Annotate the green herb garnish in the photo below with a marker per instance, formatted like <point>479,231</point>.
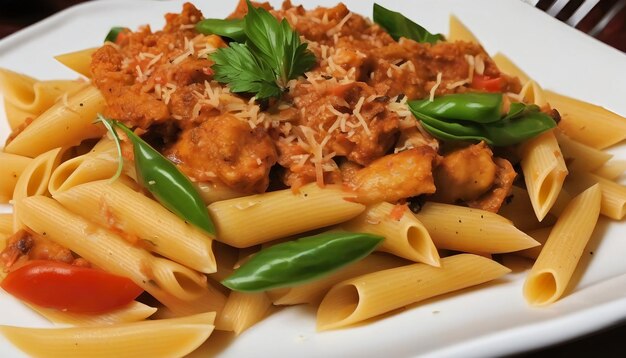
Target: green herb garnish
<point>231,28</point>
<point>271,56</point>
<point>114,33</point>
<point>397,25</point>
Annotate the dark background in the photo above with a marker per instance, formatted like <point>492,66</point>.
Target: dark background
<point>17,14</point>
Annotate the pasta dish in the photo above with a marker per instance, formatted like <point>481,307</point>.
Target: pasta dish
<point>197,177</point>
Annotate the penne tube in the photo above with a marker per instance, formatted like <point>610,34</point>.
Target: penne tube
<point>376,293</point>
<point>508,67</point>
<point>314,291</point>
<point>405,237</point>
<point>78,61</point>
<point>541,236</point>
<point>6,224</point>
<point>465,229</point>
<point>457,31</point>
<point>556,263</point>
<point>138,218</point>
<point>242,311</point>
<point>179,288</point>
<point>580,157</point>
<point>255,219</point>
<point>587,123</point>
<point>174,337</point>
<point>34,179</point>
<point>99,163</point>
<point>226,258</point>
<point>519,210</point>
<point>212,192</point>
<point>612,169</point>
<point>133,312</point>
<point>12,167</point>
<point>544,172</point>
<point>532,93</point>
<point>62,125</point>
<point>613,202</point>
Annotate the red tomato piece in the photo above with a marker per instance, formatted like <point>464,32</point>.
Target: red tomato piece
<point>487,84</point>
<point>66,287</point>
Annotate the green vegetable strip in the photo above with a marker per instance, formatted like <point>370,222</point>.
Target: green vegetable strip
<point>114,32</point>
<point>473,107</point>
<point>231,28</point>
<point>302,260</point>
<point>470,117</point>
<point>397,25</point>
<point>163,179</point>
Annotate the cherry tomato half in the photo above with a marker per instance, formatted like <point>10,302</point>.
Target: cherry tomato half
<point>66,287</point>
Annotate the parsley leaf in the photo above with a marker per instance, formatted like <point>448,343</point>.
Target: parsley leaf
<point>271,56</point>
<point>244,72</point>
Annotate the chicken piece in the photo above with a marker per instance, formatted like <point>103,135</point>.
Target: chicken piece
<point>493,199</point>
<point>226,149</point>
<point>465,174</point>
<point>396,176</point>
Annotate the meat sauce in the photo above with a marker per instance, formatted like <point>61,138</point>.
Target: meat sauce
<point>344,121</point>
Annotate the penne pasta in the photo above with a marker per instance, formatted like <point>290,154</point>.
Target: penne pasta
<point>508,67</point>
<point>133,312</point>
<point>519,210</point>
<point>255,219</point>
<point>182,290</point>
<point>12,167</point>
<point>541,236</point>
<point>405,236</point>
<point>587,123</point>
<point>174,337</point>
<point>78,61</point>
<point>457,31</point>
<point>142,220</point>
<point>544,172</point>
<point>556,263</point>
<point>6,224</point>
<point>580,157</point>
<point>376,293</point>
<point>612,169</point>
<point>243,310</point>
<point>613,202</point>
<point>314,291</point>
<point>62,125</point>
<point>532,93</point>
<point>472,230</point>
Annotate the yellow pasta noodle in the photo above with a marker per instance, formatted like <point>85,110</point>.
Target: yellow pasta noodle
<point>457,31</point>
<point>544,172</point>
<point>587,123</point>
<point>556,263</point>
<point>519,210</point>
<point>116,206</point>
<point>404,237</point>
<point>373,294</point>
<point>533,93</point>
<point>242,311</point>
<point>580,157</point>
<point>174,337</point>
<point>541,235</point>
<point>472,230</point>
<point>182,290</point>
<point>612,169</point>
<point>133,312</point>
<point>79,61</point>
<point>613,203</point>
<point>66,123</point>
<point>6,224</point>
<point>313,292</point>
<point>251,220</point>
<point>12,167</point>
<point>507,66</point>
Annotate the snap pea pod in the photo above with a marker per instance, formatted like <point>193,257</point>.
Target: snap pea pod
<point>473,107</point>
<point>397,25</point>
<point>520,123</point>
<point>114,33</point>
<point>302,260</point>
<point>163,179</point>
<point>231,28</point>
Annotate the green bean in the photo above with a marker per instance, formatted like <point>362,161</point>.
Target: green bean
<point>163,179</point>
<point>302,260</point>
<point>231,28</point>
<point>397,25</point>
<point>472,107</point>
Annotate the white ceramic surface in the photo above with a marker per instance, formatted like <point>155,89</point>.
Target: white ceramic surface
<point>489,320</point>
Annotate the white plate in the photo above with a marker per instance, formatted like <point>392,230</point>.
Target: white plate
<point>490,320</point>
